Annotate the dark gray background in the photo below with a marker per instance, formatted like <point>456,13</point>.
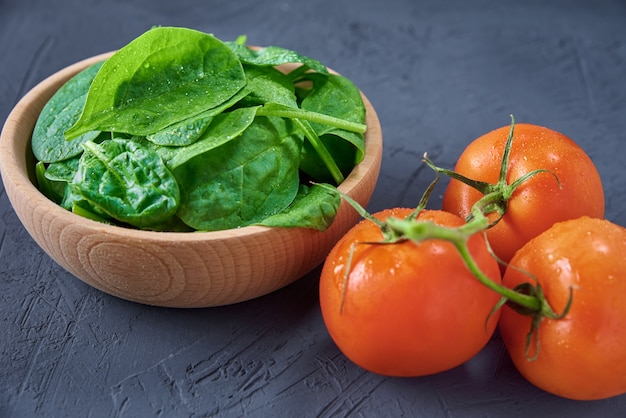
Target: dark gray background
<point>439,73</point>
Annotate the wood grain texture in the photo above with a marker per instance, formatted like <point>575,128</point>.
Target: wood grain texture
<point>163,268</point>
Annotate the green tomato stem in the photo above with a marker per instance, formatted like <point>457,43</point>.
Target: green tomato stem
<point>420,231</point>
<point>506,155</point>
<point>530,302</point>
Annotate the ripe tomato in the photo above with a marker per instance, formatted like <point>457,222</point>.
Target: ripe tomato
<point>408,309</point>
<point>583,355</point>
<point>539,202</point>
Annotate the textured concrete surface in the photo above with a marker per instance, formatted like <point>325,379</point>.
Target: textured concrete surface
<point>440,73</point>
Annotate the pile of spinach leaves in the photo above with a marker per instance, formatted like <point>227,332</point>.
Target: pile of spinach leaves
<point>180,131</point>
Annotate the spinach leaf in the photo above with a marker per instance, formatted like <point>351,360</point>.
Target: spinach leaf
<point>128,182</point>
<point>62,171</point>
<point>183,133</point>
<point>84,209</point>
<point>324,157</point>
<point>59,114</point>
<point>271,87</point>
<point>272,56</point>
<point>324,161</point>
<point>268,85</point>
<point>72,200</point>
<point>223,128</point>
<point>314,207</point>
<point>54,178</point>
<point>53,190</point>
<point>338,97</point>
<point>162,77</point>
<point>244,180</point>
<point>187,131</point>
<point>341,152</point>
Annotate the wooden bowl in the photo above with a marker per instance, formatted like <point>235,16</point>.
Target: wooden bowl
<point>173,269</point>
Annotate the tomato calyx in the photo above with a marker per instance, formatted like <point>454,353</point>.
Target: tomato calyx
<point>496,195</point>
<point>537,316</point>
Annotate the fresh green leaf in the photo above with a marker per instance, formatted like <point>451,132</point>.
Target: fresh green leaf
<point>338,97</point>
<point>74,202</point>
<point>273,56</point>
<point>314,207</point>
<point>80,208</point>
<point>187,131</point>
<point>183,133</point>
<point>62,171</point>
<point>268,85</point>
<point>162,77</point>
<point>319,148</point>
<point>325,163</point>
<point>223,128</point>
<point>53,190</point>
<point>59,114</point>
<point>271,87</point>
<point>342,153</point>
<point>241,40</point>
<point>128,182</point>
<point>244,180</point>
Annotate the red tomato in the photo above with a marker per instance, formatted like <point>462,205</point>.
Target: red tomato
<point>583,355</point>
<point>408,309</point>
<point>539,202</point>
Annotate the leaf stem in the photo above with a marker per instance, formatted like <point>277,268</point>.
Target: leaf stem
<point>315,117</point>
<point>321,149</point>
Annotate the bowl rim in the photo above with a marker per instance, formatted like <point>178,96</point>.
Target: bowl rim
<point>11,162</point>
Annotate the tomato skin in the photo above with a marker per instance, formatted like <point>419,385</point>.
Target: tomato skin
<point>539,202</point>
<point>582,356</point>
<point>409,309</point>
